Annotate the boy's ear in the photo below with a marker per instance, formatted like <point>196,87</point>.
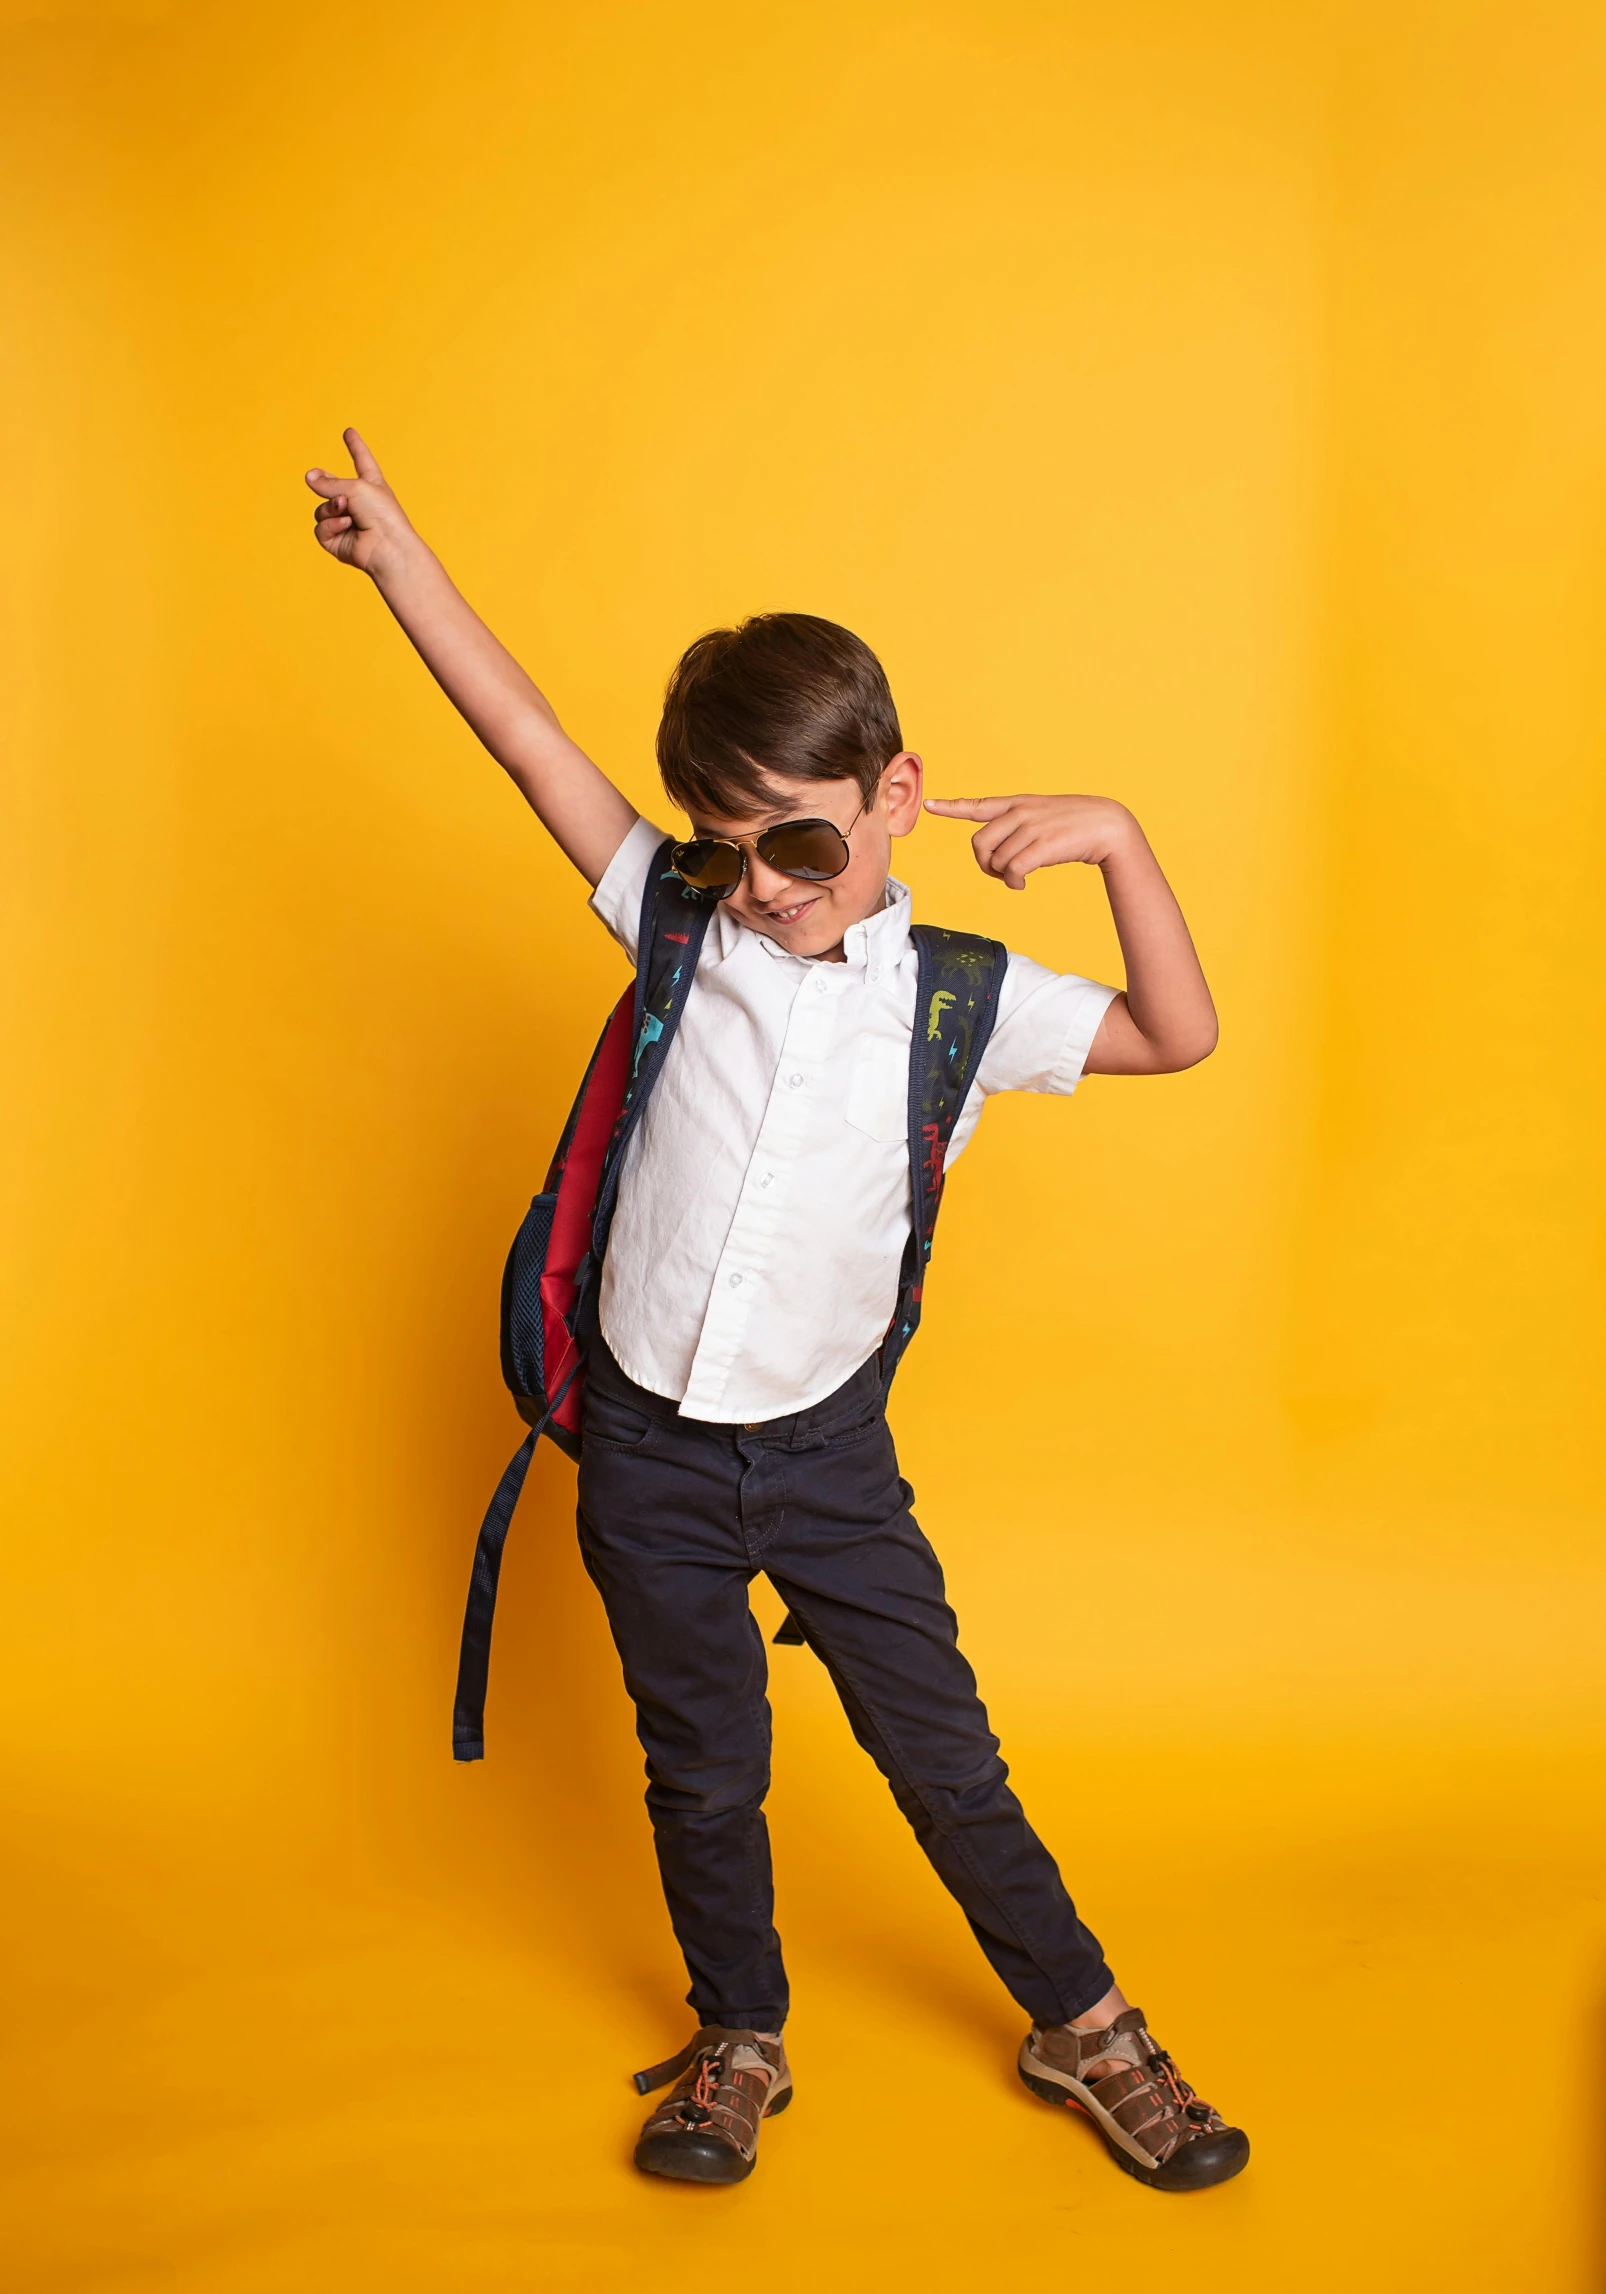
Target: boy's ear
<point>903,784</point>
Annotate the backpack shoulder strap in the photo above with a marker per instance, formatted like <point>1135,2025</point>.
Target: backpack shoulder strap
<point>960,981</point>
<point>674,919</point>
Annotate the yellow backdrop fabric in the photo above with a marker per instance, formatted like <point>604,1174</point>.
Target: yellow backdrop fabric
<point>1199,401</point>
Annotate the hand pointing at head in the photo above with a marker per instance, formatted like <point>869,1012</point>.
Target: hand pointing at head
<point>1165,1019</point>
<point>359,520</point>
<point>1019,834</point>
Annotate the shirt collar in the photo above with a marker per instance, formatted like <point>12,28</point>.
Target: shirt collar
<point>872,947</point>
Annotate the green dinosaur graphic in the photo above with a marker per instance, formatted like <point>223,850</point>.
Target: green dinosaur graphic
<point>939,1004</point>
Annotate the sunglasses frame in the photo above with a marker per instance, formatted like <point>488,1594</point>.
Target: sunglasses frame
<point>780,828</point>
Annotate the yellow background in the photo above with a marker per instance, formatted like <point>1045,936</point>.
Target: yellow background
<point>1197,402</point>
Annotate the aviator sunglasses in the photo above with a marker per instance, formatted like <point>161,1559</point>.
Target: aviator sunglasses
<point>811,850</point>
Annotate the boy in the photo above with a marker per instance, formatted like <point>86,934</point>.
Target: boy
<point>733,1413</point>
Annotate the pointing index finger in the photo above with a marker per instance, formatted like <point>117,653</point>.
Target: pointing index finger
<point>362,457</point>
<point>969,808</point>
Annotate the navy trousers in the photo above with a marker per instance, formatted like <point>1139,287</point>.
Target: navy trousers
<point>676,1519</point>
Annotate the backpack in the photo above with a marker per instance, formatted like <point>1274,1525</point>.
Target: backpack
<point>557,1253</point>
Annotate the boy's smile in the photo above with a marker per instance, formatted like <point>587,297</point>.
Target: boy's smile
<point>808,918</point>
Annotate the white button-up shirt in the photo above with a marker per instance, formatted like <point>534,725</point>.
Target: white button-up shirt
<point>764,1202</point>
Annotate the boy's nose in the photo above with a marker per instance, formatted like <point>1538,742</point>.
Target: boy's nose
<point>769,887</point>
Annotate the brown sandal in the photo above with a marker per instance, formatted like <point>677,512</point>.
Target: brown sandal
<point>726,2082</point>
<point>1154,2125</point>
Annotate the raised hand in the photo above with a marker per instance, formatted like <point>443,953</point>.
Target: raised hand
<point>359,520</point>
<point>1019,834</point>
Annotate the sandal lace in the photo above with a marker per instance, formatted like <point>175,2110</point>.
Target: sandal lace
<point>1176,2094</point>
<point>696,2106</point>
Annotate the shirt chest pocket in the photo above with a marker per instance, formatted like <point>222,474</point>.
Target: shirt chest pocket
<point>878,1094</point>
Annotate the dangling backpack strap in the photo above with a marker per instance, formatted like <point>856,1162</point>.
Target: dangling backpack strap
<point>474,1652</point>
<point>959,984</point>
<point>673,921</point>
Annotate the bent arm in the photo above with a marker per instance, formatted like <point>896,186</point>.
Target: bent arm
<point>1165,1020</point>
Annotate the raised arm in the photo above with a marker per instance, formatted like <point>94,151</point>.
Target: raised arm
<point>1165,1020</point>
<point>360,522</point>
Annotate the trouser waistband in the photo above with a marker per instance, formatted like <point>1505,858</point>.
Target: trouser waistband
<point>853,1400</point>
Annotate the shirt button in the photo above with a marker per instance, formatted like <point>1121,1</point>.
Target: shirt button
<point>736,1282</point>
<point>768,1176</point>
<point>794,1082</point>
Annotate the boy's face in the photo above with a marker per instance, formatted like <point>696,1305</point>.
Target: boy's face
<point>810,919</point>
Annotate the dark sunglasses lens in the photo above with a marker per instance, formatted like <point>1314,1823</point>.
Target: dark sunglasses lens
<point>708,865</point>
<point>811,849</point>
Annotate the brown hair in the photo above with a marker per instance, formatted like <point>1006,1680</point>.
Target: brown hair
<point>782,693</point>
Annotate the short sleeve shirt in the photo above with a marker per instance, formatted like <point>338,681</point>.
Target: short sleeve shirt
<point>764,1202</point>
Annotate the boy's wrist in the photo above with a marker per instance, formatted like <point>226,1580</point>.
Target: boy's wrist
<point>405,558</point>
<point>1123,837</point>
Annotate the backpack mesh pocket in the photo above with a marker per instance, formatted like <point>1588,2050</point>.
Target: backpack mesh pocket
<point>523,1334</point>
